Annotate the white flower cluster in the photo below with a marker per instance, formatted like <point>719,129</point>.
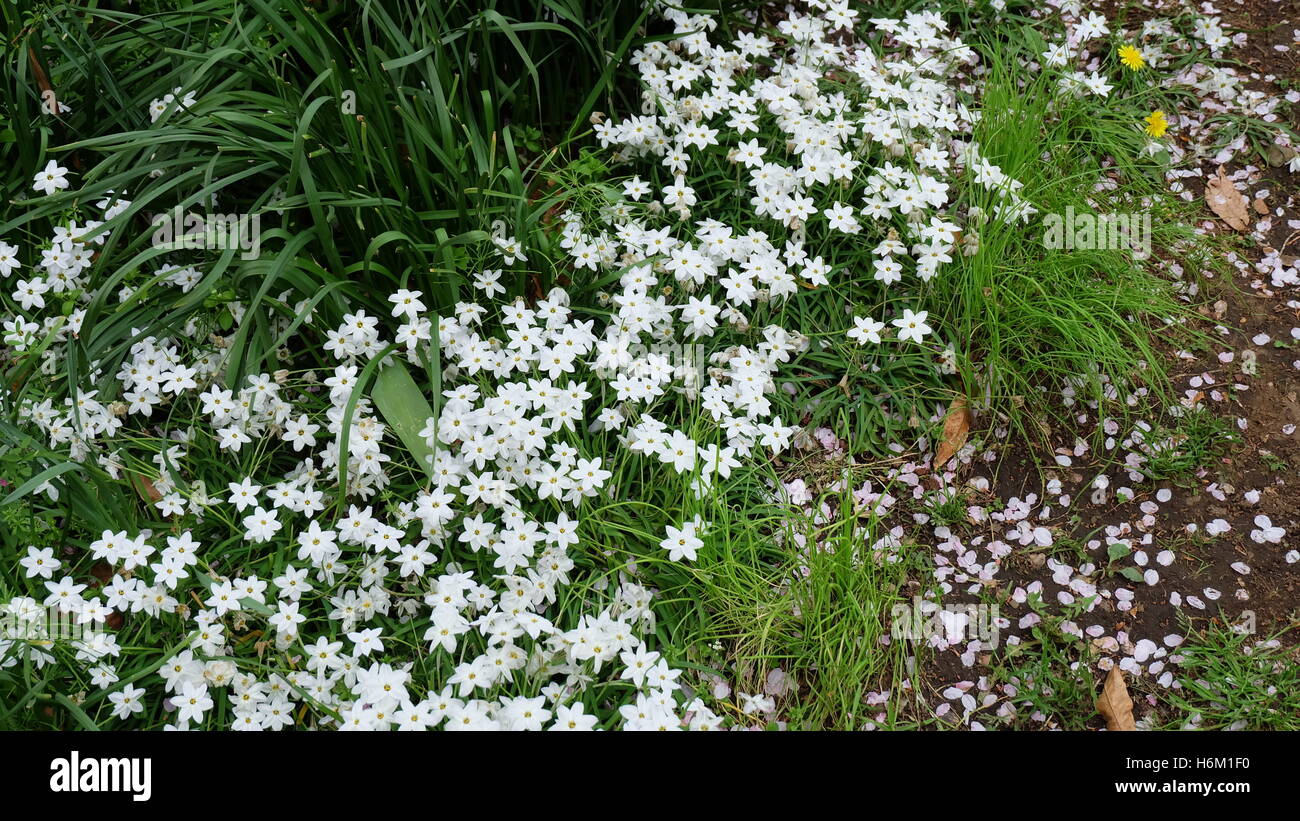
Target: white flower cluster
<point>478,557</point>
<point>890,108</point>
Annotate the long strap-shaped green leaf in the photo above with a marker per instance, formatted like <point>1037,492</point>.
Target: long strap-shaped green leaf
<point>405,408</point>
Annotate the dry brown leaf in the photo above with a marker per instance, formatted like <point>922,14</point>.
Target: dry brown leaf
<point>102,571</point>
<point>145,488</point>
<point>1115,704</point>
<point>43,82</point>
<point>1226,201</point>
<point>1260,206</point>
<point>956,426</point>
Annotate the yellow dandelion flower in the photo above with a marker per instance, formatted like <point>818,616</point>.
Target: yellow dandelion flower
<point>1132,57</point>
<point>1157,125</point>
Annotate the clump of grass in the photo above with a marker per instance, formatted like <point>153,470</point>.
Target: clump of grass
<point>785,591</point>
<point>946,506</point>
<point>1177,450</point>
<point>1052,673</point>
<point>1230,680</point>
<point>1052,688</point>
<point>1030,318</point>
<point>1274,462</point>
